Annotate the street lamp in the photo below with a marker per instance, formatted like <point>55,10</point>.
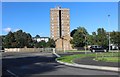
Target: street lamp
<point>109,31</point>
<point>85,44</point>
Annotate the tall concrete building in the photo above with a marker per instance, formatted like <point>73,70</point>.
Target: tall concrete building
<point>60,27</point>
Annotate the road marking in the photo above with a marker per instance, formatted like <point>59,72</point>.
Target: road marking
<point>12,73</point>
<point>55,53</point>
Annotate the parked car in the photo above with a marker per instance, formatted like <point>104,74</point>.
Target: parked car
<point>96,48</point>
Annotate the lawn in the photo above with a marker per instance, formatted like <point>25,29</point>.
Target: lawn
<point>77,51</point>
<point>69,59</point>
<point>107,57</point>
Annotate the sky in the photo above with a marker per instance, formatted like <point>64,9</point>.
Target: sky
<point>34,17</point>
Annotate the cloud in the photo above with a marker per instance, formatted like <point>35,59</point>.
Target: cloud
<point>10,29</point>
<point>7,29</point>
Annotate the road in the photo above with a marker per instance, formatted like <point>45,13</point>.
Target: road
<point>36,64</point>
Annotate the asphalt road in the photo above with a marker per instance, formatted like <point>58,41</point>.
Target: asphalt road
<point>37,64</point>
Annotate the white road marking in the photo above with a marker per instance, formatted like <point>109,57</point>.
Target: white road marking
<point>56,53</point>
<point>12,73</point>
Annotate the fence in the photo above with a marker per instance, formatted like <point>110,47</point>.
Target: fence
<point>28,49</point>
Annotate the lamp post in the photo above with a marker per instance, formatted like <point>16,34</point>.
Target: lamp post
<point>85,44</point>
<point>109,31</point>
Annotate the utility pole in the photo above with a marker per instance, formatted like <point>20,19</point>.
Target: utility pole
<point>85,45</point>
<point>109,30</point>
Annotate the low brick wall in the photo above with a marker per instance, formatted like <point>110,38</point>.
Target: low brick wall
<point>28,49</point>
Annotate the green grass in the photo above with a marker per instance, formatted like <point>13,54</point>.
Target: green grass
<point>77,50</point>
<point>86,50</point>
<point>108,57</point>
<point>69,59</point>
<point>72,51</point>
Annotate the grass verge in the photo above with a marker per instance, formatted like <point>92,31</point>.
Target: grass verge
<point>69,59</point>
<point>77,51</point>
<point>107,57</point>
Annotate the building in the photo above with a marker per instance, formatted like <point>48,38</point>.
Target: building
<point>46,39</point>
<point>60,27</point>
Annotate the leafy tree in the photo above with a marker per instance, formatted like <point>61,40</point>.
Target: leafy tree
<point>9,40</point>
<point>90,40</point>
<point>37,36</point>
<point>17,39</point>
<point>20,35</point>
<point>94,38</point>
<point>102,38</point>
<point>29,40</point>
<point>51,43</point>
<point>33,44</point>
<point>115,38</point>
<point>41,44</point>
<point>79,37</point>
<point>73,32</point>
<point>98,38</point>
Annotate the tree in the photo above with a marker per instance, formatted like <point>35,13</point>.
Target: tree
<point>93,39</point>
<point>102,38</point>
<point>17,39</point>
<point>29,40</point>
<point>9,40</point>
<point>51,43</point>
<point>98,38</point>
<point>23,38</point>
<point>73,32</point>
<point>20,38</point>
<point>115,38</point>
<point>41,44</point>
<point>79,37</point>
<point>90,40</point>
<point>37,36</point>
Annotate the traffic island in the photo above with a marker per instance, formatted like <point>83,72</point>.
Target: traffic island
<point>88,61</point>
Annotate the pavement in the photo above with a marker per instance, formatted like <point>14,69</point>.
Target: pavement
<point>90,63</point>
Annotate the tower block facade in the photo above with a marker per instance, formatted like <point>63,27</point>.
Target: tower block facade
<point>60,27</point>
